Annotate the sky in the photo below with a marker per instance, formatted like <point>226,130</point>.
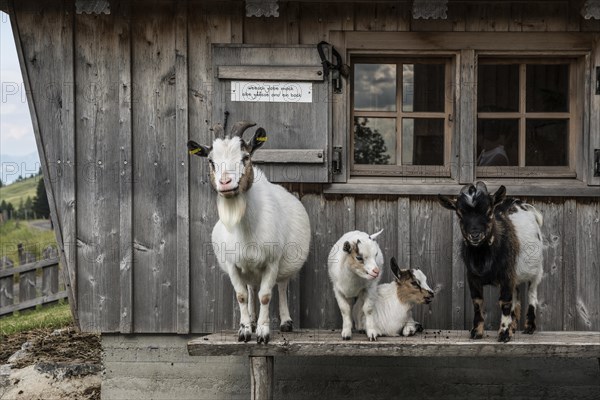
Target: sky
<point>15,122</point>
<point>17,143</point>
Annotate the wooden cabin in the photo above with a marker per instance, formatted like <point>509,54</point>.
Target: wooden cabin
<point>439,94</point>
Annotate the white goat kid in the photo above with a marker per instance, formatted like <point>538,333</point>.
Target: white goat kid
<point>354,266</point>
<point>393,303</point>
<point>263,233</point>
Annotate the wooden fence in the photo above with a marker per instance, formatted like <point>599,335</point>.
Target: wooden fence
<point>31,283</point>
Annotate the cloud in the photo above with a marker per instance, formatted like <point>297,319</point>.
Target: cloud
<point>14,131</point>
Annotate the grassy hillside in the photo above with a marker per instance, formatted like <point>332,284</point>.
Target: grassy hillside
<point>14,192</point>
<point>34,240</point>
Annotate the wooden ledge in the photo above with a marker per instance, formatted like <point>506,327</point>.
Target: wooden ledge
<point>431,343</point>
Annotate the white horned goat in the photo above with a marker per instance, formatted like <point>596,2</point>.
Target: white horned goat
<point>501,246</point>
<point>393,303</point>
<point>262,237</point>
<point>354,266</point>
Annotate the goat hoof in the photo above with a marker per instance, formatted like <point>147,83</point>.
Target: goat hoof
<point>419,327</point>
<point>504,336</point>
<point>529,330</point>
<point>263,339</point>
<point>475,334</point>
<point>346,337</point>
<point>287,326</point>
<point>244,333</point>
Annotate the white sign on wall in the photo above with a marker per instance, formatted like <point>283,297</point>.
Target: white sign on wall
<point>271,92</point>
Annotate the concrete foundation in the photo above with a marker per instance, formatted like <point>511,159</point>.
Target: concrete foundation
<point>158,367</point>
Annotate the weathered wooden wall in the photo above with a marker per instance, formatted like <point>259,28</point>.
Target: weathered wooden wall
<point>117,96</point>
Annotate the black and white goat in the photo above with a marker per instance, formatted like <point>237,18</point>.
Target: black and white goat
<point>502,246</point>
<point>263,233</point>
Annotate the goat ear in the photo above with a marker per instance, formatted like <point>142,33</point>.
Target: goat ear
<point>198,149</point>
<point>394,267</point>
<point>259,138</point>
<point>347,248</point>
<point>374,236</point>
<point>500,195</point>
<point>446,202</point>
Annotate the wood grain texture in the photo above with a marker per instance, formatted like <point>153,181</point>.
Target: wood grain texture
<point>211,296</point>
<point>98,189</point>
<point>155,170</point>
<point>431,343</point>
<point>270,73</point>
<point>569,244</point>
<point>467,122</point>
<point>594,116</point>
<point>587,297</point>
<point>262,380</point>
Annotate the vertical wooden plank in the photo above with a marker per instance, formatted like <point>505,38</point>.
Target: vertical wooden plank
<point>467,122</point>
<point>404,244</point>
<point>318,19</point>
<point>44,89</point>
<point>123,26</point>
<point>461,297</point>
<point>341,135</point>
<point>259,30</point>
<point>594,115</point>
<point>262,380</point>
<point>27,286</point>
<point>98,224</point>
<point>211,296</point>
<point>155,169</point>
<point>569,264</point>
<point>431,252</point>
<point>392,16</point>
<point>50,280</point>
<point>588,265</point>
<point>487,16</point>
<point>181,139</point>
<point>6,291</point>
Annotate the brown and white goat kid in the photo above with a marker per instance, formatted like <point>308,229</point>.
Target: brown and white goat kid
<point>354,266</point>
<point>263,233</point>
<point>502,246</point>
<point>393,303</point>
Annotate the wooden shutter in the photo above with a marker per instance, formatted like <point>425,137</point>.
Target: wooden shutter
<point>299,133</point>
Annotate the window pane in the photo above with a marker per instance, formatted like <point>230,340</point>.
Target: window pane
<point>423,87</point>
<point>374,140</point>
<point>547,88</point>
<point>497,88</point>
<point>375,87</point>
<point>422,141</point>
<point>497,142</point>
<point>547,142</point>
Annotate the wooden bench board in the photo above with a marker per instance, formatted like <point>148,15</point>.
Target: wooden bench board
<point>430,343</point>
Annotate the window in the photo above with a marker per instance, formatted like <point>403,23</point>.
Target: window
<point>526,112</point>
<point>401,111</point>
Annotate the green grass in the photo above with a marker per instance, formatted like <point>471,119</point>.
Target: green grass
<point>53,317</point>
<point>13,232</point>
<point>16,191</point>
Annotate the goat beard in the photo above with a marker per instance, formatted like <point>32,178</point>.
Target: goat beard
<point>231,210</point>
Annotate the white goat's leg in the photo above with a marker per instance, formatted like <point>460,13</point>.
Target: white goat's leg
<point>346,310</point>
<point>533,303</point>
<point>358,316</point>
<point>411,326</point>
<point>252,294</point>
<point>372,330</point>
<point>286,324</point>
<point>264,295</point>
<point>241,294</point>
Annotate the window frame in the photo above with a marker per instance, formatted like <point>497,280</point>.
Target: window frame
<point>468,46</point>
<point>574,116</point>
<point>399,59</point>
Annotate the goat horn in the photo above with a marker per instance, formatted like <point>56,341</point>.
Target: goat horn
<point>218,130</point>
<point>239,128</point>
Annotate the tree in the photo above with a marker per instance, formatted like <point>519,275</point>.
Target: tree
<point>1,184</point>
<point>40,203</point>
<point>369,145</point>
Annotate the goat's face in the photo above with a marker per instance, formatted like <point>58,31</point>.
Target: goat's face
<point>475,209</point>
<point>365,258</point>
<point>230,159</point>
<point>411,285</point>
